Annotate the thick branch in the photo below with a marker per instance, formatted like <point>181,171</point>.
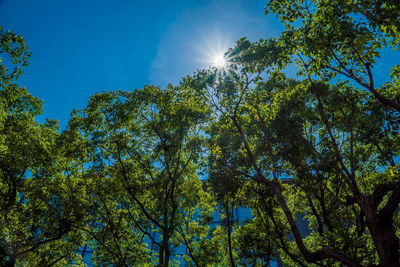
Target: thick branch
<point>392,205</point>
<point>249,153</point>
<point>381,190</point>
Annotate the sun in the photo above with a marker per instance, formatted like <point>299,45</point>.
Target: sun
<point>212,51</point>
<point>219,61</point>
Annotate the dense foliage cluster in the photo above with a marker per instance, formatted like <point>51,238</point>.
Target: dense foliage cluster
<point>139,178</point>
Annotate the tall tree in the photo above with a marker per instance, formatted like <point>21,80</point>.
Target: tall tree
<point>334,134</point>
<point>37,203</point>
<point>343,40</point>
<point>143,147</point>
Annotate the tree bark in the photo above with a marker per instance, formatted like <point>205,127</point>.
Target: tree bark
<point>229,228</point>
<point>164,253</point>
<point>383,234</point>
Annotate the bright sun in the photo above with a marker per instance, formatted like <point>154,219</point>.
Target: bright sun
<point>215,52</point>
<point>219,61</point>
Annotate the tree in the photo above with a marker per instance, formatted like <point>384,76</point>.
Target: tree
<point>14,51</point>
<point>334,134</point>
<point>143,147</point>
<point>348,47</point>
<point>195,232</point>
<point>123,179</point>
<point>37,203</point>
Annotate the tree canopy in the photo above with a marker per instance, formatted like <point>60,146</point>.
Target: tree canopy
<point>153,176</point>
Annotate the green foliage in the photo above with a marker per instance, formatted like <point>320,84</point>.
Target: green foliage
<point>38,184</point>
<point>142,147</point>
<point>314,159</point>
<point>324,149</point>
<point>14,57</point>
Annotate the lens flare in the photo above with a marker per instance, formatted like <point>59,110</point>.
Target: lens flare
<point>219,61</point>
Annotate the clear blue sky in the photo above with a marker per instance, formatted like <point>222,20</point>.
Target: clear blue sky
<point>83,47</point>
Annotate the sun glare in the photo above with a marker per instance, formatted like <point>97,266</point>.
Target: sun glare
<point>216,55</point>
<point>219,61</point>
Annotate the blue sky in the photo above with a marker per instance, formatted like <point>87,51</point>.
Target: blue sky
<point>88,46</point>
<point>83,47</point>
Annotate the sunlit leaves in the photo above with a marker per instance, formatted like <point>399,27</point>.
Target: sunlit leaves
<point>142,147</point>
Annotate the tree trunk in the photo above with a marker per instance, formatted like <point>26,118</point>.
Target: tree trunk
<point>164,253</point>
<point>386,243</point>
<point>167,255</point>
<point>229,228</point>
<point>383,235</point>
<point>161,256</point>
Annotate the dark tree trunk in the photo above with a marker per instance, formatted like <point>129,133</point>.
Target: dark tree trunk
<point>229,228</point>
<point>386,243</point>
<point>161,256</point>
<point>164,252</point>
<point>383,235</point>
